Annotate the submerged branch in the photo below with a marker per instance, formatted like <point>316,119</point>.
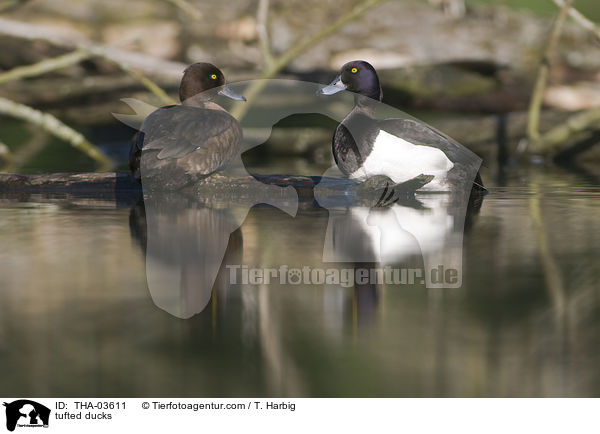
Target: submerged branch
<point>55,127</point>
<point>30,148</point>
<point>553,277</point>
<point>567,155</point>
<point>6,157</point>
<point>553,139</point>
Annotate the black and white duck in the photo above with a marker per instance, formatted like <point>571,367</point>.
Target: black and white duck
<point>400,149</point>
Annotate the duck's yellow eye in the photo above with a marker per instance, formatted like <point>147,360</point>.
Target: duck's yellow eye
<point>354,70</point>
<point>214,76</point>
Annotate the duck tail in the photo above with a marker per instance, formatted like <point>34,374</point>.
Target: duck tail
<point>478,184</point>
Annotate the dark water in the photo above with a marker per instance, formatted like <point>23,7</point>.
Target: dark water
<point>77,317</point>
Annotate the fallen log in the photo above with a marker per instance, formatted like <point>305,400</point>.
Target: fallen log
<point>87,190</point>
<point>215,190</point>
<point>67,182</point>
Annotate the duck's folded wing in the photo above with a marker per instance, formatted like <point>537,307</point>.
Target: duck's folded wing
<point>177,131</point>
<point>419,133</point>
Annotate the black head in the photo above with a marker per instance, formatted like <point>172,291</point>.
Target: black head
<point>359,77</point>
<point>200,77</point>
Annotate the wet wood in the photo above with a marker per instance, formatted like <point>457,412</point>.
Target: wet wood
<point>68,182</point>
<point>218,189</point>
<point>93,182</point>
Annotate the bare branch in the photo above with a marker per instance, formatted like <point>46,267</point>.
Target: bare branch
<point>141,62</point>
<point>262,28</point>
<point>149,84</point>
<point>579,18</point>
<point>36,142</point>
<point>54,127</point>
<point>186,7</point>
<point>239,110</point>
<point>537,97</point>
<point>133,63</point>
<point>45,66</point>
<point>576,126</point>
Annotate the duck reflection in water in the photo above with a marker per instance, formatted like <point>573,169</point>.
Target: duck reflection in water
<point>186,229</point>
<point>430,226</point>
<point>188,243</point>
<point>415,237</point>
<point>186,247</point>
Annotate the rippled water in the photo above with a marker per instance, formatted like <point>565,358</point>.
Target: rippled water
<point>77,317</point>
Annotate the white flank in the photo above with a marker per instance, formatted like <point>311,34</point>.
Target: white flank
<point>400,160</point>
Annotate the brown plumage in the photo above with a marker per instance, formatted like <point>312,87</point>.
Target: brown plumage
<point>183,143</point>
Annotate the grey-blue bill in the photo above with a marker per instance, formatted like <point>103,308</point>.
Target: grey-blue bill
<point>230,93</point>
<point>334,87</point>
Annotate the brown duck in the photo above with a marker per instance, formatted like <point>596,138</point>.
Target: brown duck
<point>182,143</point>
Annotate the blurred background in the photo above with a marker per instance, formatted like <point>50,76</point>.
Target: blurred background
<point>465,67</point>
<point>75,315</point>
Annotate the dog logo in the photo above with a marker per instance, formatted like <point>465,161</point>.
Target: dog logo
<point>26,413</point>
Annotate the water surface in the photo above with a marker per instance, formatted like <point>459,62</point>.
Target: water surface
<point>77,317</point>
